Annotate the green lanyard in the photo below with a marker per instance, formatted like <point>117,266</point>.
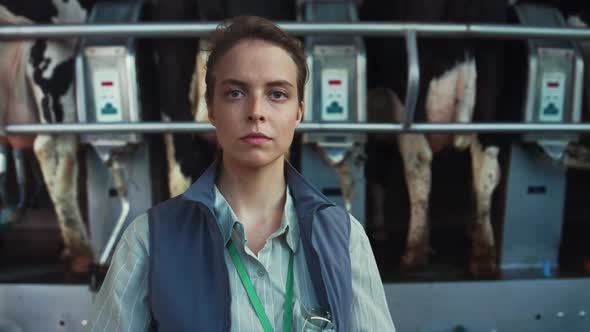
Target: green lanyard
<point>287,308</point>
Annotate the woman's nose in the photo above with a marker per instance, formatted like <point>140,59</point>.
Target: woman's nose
<point>256,113</point>
<point>256,117</point>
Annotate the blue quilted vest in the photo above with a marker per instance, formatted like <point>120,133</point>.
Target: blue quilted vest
<point>188,278</point>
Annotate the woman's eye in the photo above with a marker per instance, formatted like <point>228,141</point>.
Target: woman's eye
<point>234,93</point>
<point>278,95</point>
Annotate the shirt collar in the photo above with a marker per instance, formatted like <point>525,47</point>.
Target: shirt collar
<point>305,196</point>
<point>228,221</point>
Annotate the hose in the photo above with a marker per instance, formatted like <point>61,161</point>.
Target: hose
<point>116,169</point>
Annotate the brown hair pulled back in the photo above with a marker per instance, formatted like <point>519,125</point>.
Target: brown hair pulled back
<point>235,30</point>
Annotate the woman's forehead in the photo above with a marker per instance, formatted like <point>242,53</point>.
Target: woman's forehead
<point>256,61</point>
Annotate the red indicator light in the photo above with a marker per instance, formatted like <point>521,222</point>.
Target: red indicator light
<point>106,83</point>
<point>334,82</point>
<point>552,84</point>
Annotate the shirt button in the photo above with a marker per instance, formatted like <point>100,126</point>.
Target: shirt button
<point>261,273</point>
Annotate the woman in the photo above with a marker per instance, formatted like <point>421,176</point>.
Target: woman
<point>250,246</point>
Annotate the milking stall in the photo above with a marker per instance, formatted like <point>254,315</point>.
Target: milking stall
<point>455,131</point>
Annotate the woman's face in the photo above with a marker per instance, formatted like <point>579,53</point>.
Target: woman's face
<point>255,106</point>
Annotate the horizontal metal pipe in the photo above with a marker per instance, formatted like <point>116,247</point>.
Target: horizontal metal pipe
<point>366,28</point>
<point>186,127</point>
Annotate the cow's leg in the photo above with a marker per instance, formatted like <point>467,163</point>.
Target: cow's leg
<point>178,182</point>
<point>175,71</point>
<point>486,176</point>
<point>466,86</point>
<point>49,77</point>
<point>417,158</point>
<point>57,157</point>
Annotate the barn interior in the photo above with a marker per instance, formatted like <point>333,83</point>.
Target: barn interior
<point>538,213</point>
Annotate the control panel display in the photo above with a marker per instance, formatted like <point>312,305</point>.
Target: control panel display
<point>334,94</point>
<point>552,97</point>
<point>107,96</point>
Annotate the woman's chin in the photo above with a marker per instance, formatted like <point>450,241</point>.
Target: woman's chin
<point>256,160</point>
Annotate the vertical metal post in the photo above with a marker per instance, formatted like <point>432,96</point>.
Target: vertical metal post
<point>413,88</point>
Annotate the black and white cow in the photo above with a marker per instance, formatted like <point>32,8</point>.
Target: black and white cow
<point>37,80</point>
<point>46,74</point>
<point>459,82</point>
<point>49,75</point>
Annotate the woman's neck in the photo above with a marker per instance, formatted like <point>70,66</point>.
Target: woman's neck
<point>256,195</point>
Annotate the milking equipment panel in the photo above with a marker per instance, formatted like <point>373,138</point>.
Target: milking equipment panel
<point>110,89</point>
<point>335,93</point>
<point>554,80</point>
<point>535,187</point>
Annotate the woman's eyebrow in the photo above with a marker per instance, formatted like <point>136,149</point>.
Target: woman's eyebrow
<point>280,83</point>
<point>231,81</point>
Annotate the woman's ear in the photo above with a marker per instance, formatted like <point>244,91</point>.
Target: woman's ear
<point>300,111</point>
<point>210,113</point>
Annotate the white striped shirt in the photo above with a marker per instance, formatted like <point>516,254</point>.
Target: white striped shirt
<point>121,304</point>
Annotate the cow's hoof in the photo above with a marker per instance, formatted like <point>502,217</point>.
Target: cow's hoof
<point>415,259</point>
<point>483,266</point>
<point>10,215</point>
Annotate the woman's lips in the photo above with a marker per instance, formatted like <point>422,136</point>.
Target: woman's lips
<point>255,139</point>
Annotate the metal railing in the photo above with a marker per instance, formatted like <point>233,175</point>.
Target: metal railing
<point>410,31</point>
<point>186,127</point>
<point>160,30</point>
